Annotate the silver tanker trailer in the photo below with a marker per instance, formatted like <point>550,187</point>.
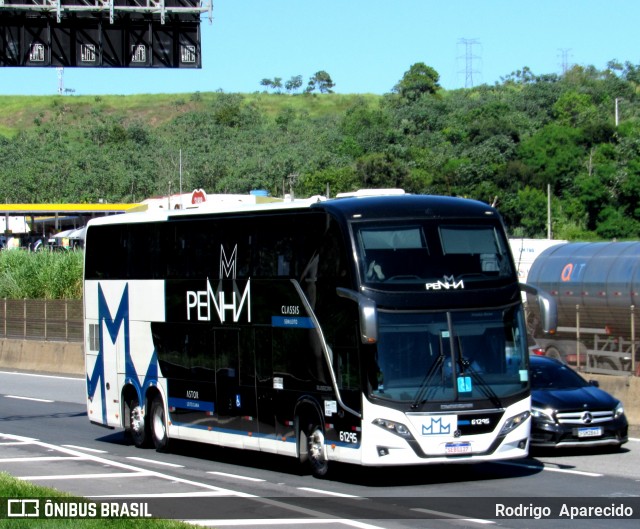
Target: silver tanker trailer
<point>597,292</point>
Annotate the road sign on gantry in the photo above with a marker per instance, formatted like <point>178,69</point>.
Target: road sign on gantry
<point>102,33</point>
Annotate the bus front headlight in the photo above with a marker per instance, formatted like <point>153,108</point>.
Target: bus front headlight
<point>513,422</point>
<point>394,427</point>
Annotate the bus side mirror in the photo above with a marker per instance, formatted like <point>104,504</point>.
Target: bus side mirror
<point>547,306</point>
<point>368,314</point>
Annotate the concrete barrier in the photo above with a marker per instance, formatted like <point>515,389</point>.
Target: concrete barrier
<point>61,358</point>
<point>624,388</point>
<point>66,358</point>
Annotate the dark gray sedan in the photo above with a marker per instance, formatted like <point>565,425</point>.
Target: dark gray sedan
<point>568,411</point>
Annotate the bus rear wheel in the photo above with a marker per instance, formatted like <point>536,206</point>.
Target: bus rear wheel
<point>158,425</point>
<point>312,449</point>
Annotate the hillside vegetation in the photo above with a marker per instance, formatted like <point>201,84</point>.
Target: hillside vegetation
<point>502,144</point>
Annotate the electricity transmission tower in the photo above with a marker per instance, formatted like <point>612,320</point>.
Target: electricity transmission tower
<point>60,72</point>
<point>564,53</point>
<point>469,58</point>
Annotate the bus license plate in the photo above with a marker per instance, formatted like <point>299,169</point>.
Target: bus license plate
<point>457,448</point>
<point>594,431</point>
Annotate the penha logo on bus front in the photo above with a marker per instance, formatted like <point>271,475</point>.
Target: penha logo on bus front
<point>449,283</point>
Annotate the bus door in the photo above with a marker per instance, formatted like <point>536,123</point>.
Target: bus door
<point>235,387</point>
<point>265,383</point>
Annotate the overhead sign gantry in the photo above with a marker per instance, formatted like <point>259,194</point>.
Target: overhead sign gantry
<point>102,33</point>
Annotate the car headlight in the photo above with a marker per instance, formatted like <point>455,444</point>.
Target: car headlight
<point>543,414</point>
<point>619,411</point>
<point>394,427</point>
<point>513,422</point>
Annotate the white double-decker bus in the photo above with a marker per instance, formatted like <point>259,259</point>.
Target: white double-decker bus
<point>379,330</point>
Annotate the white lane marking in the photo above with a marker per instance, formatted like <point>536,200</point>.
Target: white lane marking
<point>86,449</point>
<point>155,462</point>
<point>219,490</point>
<point>236,476</point>
<point>551,469</point>
<point>576,472</point>
<point>27,398</point>
<point>87,476</point>
<point>117,464</point>
<point>203,494</point>
<point>298,522</point>
<point>327,492</point>
<point>38,459</point>
<point>39,376</point>
<point>452,516</point>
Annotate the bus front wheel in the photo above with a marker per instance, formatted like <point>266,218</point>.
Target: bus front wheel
<point>312,449</point>
<point>158,425</point>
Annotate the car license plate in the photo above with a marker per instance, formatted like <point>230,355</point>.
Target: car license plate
<point>594,431</point>
<point>457,448</point>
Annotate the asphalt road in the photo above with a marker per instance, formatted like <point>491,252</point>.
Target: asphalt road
<point>46,438</point>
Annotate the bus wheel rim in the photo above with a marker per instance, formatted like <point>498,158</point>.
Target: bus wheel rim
<point>137,419</point>
<point>316,445</point>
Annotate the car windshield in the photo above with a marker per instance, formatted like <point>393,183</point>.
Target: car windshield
<point>466,355</point>
<point>555,376</point>
<point>425,254</point>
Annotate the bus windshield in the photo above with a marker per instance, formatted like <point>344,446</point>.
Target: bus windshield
<point>455,356</point>
<point>431,255</point>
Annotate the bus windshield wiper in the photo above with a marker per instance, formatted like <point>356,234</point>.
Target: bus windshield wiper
<point>426,380</point>
<point>485,387</point>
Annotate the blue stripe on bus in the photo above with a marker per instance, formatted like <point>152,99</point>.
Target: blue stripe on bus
<point>188,404</point>
<point>300,322</point>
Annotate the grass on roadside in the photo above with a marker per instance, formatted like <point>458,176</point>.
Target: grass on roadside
<point>15,488</point>
<point>41,275</point>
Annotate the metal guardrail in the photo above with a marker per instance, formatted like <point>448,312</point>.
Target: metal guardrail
<point>37,319</point>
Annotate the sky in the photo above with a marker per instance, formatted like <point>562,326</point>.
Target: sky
<point>366,46</point>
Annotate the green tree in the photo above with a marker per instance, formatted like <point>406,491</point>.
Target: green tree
<point>293,84</point>
<point>553,155</point>
<point>274,84</point>
<point>614,223</point>
<point>418,80</point>
<point>322,81</point>
<point>526,212</point>
<point>381,170</point>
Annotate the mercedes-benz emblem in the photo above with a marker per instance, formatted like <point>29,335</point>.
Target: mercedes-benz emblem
<point>587,417</point>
